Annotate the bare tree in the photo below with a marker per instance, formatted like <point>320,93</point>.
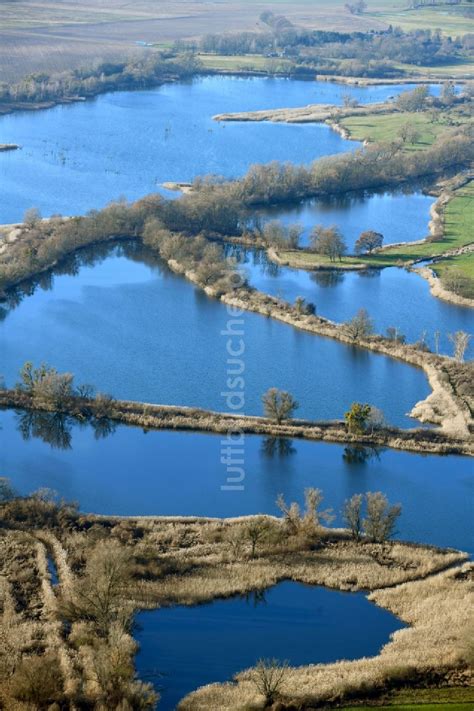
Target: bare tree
<point>269,678</point>
<point>100,596</point>
<point>460,341</point>
<point>409,133</point>
<point>310,519</point>
<point>328,241</point>
<point>256,531</point>
<point>376,419</point>
<point>32,217</point>
<point>279,405</point>
<point>380,520</point>
<point>368,241</point>
<point>352,514</point>
<point>361,326</point>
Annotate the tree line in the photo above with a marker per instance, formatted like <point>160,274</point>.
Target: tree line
<point>218,208</point>
<point>327,52</point>
<point>133,73</point>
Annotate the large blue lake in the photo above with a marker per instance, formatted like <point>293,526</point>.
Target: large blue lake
<point>132,328</point>
<point>80,156</point>
<point>124,323</point>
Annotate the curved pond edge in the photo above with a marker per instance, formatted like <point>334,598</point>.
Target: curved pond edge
<point>447,405</point>
<point>409,580</point>
<point>445,191</point>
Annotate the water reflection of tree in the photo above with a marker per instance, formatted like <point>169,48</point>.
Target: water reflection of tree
<point>327,279</point>
<point>359,454</point>
<point>277,447</point>
<point>370,273</point>
<point>71,265</point>
<point>56,428</point>
<point>256,597</point>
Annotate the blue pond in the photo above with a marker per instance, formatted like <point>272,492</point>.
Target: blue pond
<point>182,648</point>
<point>400,216</point>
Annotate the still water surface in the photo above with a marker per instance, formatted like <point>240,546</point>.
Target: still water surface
<point>80,156</point>
<point>182,648</point>
<point>131,473</point>
<point>393,297</point>
<point>132,328</point>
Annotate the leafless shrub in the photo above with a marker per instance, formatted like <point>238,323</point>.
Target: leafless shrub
<point>37,681</point>
<point>380,520</point>
<point>352,514</point>
<point>269,678</point>
<point>460,341</point>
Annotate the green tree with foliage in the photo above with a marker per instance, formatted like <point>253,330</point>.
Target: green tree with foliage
<point>368,241</point>
<point>357,417</point>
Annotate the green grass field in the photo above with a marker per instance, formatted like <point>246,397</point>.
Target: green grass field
<point>234,62</point>
<point>459,220</point>
<point>469,706</point>
<point>462,68</point>
<point>385,127</point>
<point>246,62</point>
<point>449,20</point>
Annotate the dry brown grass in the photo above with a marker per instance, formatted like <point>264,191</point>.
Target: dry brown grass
<point>438,611</point>
<point>187,561</point>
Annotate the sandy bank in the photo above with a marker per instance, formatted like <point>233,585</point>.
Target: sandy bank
<point>313,113</point>
<point>437,289</point>
<point>185,188</point>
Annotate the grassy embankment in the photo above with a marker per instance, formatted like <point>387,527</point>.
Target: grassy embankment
<point>236,63</point>
<point>169,417</point>
<point>458,220</point>
<point>454,699</point>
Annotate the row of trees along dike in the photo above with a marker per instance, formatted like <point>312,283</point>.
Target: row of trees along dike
<point>327,241</point>
<point>50,389</point>
<point>44,390</point>
<point>280,405</point>
<point>366,54</point>
<point>99,77</point>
